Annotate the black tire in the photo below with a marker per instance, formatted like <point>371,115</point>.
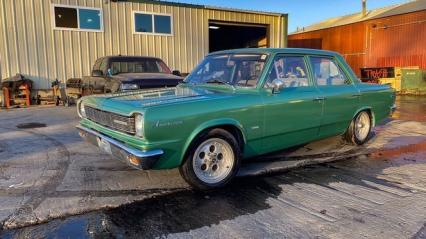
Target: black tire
<point>351,136</point>
<point>187,167</point>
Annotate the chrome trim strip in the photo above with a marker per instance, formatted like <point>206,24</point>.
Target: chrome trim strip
<point>135,152</point>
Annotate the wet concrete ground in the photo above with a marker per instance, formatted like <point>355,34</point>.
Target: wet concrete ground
<point>375,191</point>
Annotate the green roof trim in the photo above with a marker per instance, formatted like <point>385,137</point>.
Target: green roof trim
<point>277,51</point>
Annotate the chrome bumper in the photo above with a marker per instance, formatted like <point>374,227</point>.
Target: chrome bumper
<point>134,157</point>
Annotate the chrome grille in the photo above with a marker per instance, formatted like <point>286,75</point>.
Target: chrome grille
<point>111,120</point>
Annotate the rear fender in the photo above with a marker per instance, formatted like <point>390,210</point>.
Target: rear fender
<point>368,108</point>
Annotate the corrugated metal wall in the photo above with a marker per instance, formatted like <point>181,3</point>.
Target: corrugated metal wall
<point>348,40</point>
<point>398,41</point>
<point>391,41</point>
<point>29,45</point>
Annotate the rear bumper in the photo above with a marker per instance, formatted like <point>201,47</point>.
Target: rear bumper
<point>134,157</point>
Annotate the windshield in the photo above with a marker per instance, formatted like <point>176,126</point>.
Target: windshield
<point>147,65</point>
<point>233,69</point>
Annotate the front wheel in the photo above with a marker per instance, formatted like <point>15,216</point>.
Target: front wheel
<point>213,160</point>
<point>359,129</point>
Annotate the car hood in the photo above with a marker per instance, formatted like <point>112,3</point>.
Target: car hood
<point>138,76</point>
<point>134,101</point>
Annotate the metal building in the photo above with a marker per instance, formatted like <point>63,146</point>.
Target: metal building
<point>393,36</point>
<point>60,39</point>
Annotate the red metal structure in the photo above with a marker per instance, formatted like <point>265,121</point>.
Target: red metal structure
<point>6,95</point>
<point>394,36</point>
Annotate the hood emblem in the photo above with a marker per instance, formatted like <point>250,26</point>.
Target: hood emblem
<point>169,123</point>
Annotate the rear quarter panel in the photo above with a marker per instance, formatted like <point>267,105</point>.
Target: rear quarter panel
<point>380,98</point>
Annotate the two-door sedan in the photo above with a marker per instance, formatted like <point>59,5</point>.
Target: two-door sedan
<point>235,104</point>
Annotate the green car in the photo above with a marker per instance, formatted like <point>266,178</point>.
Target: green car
<point>236,104</point>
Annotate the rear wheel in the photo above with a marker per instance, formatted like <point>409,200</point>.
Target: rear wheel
<point>359,129</point>
<point>212,161</point>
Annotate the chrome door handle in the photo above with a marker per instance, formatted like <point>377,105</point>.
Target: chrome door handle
<point>319,98</point>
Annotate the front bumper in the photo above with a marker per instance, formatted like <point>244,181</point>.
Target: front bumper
<point>134,157</point>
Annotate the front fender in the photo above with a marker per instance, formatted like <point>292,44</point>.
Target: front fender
<point>211,124</point>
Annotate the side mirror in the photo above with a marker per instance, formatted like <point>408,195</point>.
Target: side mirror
<point>97,73</point>
<point>277,85</point>
<point>176,73</point>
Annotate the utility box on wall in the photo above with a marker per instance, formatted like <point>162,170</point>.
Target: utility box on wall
<point>413,81</point>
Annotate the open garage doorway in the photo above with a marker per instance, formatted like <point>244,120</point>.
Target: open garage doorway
<point>226,35</point>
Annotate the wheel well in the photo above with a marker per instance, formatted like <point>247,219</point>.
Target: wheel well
<point>234,130</point>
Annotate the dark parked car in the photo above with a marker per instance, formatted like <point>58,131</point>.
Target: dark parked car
<point>122,73</point>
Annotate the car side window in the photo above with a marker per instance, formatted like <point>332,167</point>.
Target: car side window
<point>291,70</point>
<point>97,64</point>
<point>103,66</point>
<point>327,72</point>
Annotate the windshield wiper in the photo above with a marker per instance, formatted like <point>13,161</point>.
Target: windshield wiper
<point>218,82</point>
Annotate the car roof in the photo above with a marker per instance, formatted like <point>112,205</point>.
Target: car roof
<point>278,50</point>
<point>132,57</point>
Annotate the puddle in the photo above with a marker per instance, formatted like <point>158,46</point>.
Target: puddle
<point>395,152</point>
<point>30,125</point>
<point>410,108</point>
<point>74,227</point>
<point>160,216</point>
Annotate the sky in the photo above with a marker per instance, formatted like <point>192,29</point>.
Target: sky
<point>301,12</point>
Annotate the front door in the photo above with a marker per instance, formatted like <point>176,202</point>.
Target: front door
<point>292,115</point>
<point>341,97</point>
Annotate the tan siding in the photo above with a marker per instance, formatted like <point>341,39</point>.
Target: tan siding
<point>5,56</point>
<point>30,46</point>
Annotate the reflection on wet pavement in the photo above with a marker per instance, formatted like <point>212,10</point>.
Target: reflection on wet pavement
<point>394,152</point>
<point>410,108</point>
<point>312,201</point>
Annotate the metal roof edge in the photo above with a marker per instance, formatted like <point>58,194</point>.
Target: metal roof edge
<point>190,5</point>
<point>390,7</point>
<point>345,24</point>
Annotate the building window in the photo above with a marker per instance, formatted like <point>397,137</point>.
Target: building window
<point>77,18</point>
<point>152,23</point>
<point>66,17</point>
<point>143,22</point>
<point>162,24</point>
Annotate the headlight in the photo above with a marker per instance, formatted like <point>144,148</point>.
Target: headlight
<point>139,125</point>
<point>129,87</point>
<point>81,111</point>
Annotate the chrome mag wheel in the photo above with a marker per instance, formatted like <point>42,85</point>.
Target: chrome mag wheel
<point>362,126</point>
<point>213,160</point>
